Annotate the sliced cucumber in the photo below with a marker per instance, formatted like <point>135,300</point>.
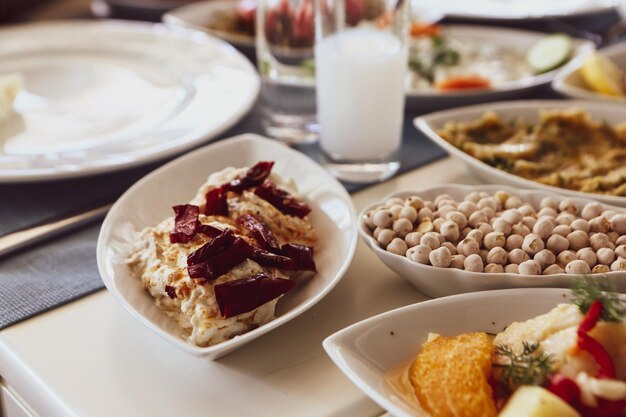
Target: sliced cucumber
<point>550,52</point>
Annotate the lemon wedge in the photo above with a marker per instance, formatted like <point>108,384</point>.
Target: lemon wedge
<point>603,76</point>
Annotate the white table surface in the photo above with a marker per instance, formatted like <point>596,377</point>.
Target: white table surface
<point>91,358</point>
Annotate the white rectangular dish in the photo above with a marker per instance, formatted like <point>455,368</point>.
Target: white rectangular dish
<point>150,200</point>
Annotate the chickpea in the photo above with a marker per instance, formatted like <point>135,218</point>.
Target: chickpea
<point>599,225</point>
<point>473,263</point>
<point>445,210</point>
<point>431,239</point>
<point>605,256</point>
<point>501,196</point>
<point>467,208</point>
<point>394,201</point>
<point>477,235</point>
<point>517,256</point>
<point>565,257</point>
<point>450,230</point>
<point>395,211</point>
<point>490,202</point>
<point>514,242</point>
<point>489,212</point>
<point>430,205</point>
<point>599,240</point>
<point>385,237</point>
<point>620,251</point>
<point>367,219</point>
<point>473,197</point>
<point>497,255</point>
<point>419,254</point>
<point>485,228</point>
<point>545,258</point>
<point>513,202</point>
<point>547,211</point>
<point>402,227</point>
<point>437,223</point>
<point>511,269</point>
<point>477,217</point>
<point>621,240</point>
<point>494,239</point>
<point>457,217</point>
<point>483,255</point>
<point>608,214</point>
<point>450,247</point>
<point>425,213</point>
<point>425,226</point>
<point>465,232</point>
<point>557,244</point>
<point>580,224</point>
<point>587,255</point>
<point>408,213</point>
<point>527,210</point>
<point>494,269</point>
<point>440,258</point>
<point>568,205</point>
<point>502,226</point>
<point>532,244</point>
<point>577,239</point>
<point>376,232</point>
<point>529,222</point>
<point>562,229</point>
<point>600,269</point>
<point>382,218</point>
<point>512,216</point>
<point>553,269</point>
<point>577,267</point>
<point>442,197</point>
<point>618,223</point>
<point>550,202</point>
<point>565,218</point>
<point>413,239</point>
<point>619,265</point>
<point>397,246</point>
<point>591,210</point>
<point>520,229</point>
<point>414,201</point>
<point>543,228</point>
<point>530,267</point>
<point>468,246</point>
<point>613,236</point>
<point>457,261</point>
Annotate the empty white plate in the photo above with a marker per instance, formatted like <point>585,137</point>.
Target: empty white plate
<point>100,96</point>
<point>151,199</point>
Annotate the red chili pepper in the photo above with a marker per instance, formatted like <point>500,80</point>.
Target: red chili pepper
<point>591,318</point>
<point>589,344</point>
<point>565,388</point>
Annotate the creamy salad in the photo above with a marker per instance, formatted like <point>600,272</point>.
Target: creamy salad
<point>181,261</point>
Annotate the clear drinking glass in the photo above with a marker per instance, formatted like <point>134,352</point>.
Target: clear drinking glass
<point>285,34</point>
<point>360,59</point>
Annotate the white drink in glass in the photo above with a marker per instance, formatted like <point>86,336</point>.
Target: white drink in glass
<point>360,93</point>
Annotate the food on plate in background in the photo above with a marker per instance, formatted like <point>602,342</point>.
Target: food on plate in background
<point>502,233</point>
<point>219,266</point>
<point>603,76</point>
<point>570,361</point>
<point>443,62</point>
<point>564,148</point>
<point>10,86</point>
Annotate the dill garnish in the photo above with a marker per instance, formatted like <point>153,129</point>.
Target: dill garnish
<point>530,367</point>
<point>586,290</point>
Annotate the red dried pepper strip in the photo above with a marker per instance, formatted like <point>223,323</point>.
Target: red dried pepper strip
<point>253,177</point>
<point>302,256</point>
<point>273,260</point>
<point>589,344</point>
<point>218,244</point>
<point>260,231</point>
<point>281,199</point>
<point>223,261</point>
<point>216,203</point>
<point>185,223</point>
<point>208,230</point>
<point>244,295</point>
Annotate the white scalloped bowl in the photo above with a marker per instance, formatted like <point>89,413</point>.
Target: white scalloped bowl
<point>150,200</point>
<point>439,282</point>
<point>366,351</point>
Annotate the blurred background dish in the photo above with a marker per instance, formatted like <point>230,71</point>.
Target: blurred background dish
<point>101,96</point>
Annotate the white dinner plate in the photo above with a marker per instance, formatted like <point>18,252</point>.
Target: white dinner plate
<point>529,110</point>
<point>439,282</point>
<point>150,201</point>
<point>569,82</point>
<point>201,16</point>
<point>101,96</point>
<point>365,352</point>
